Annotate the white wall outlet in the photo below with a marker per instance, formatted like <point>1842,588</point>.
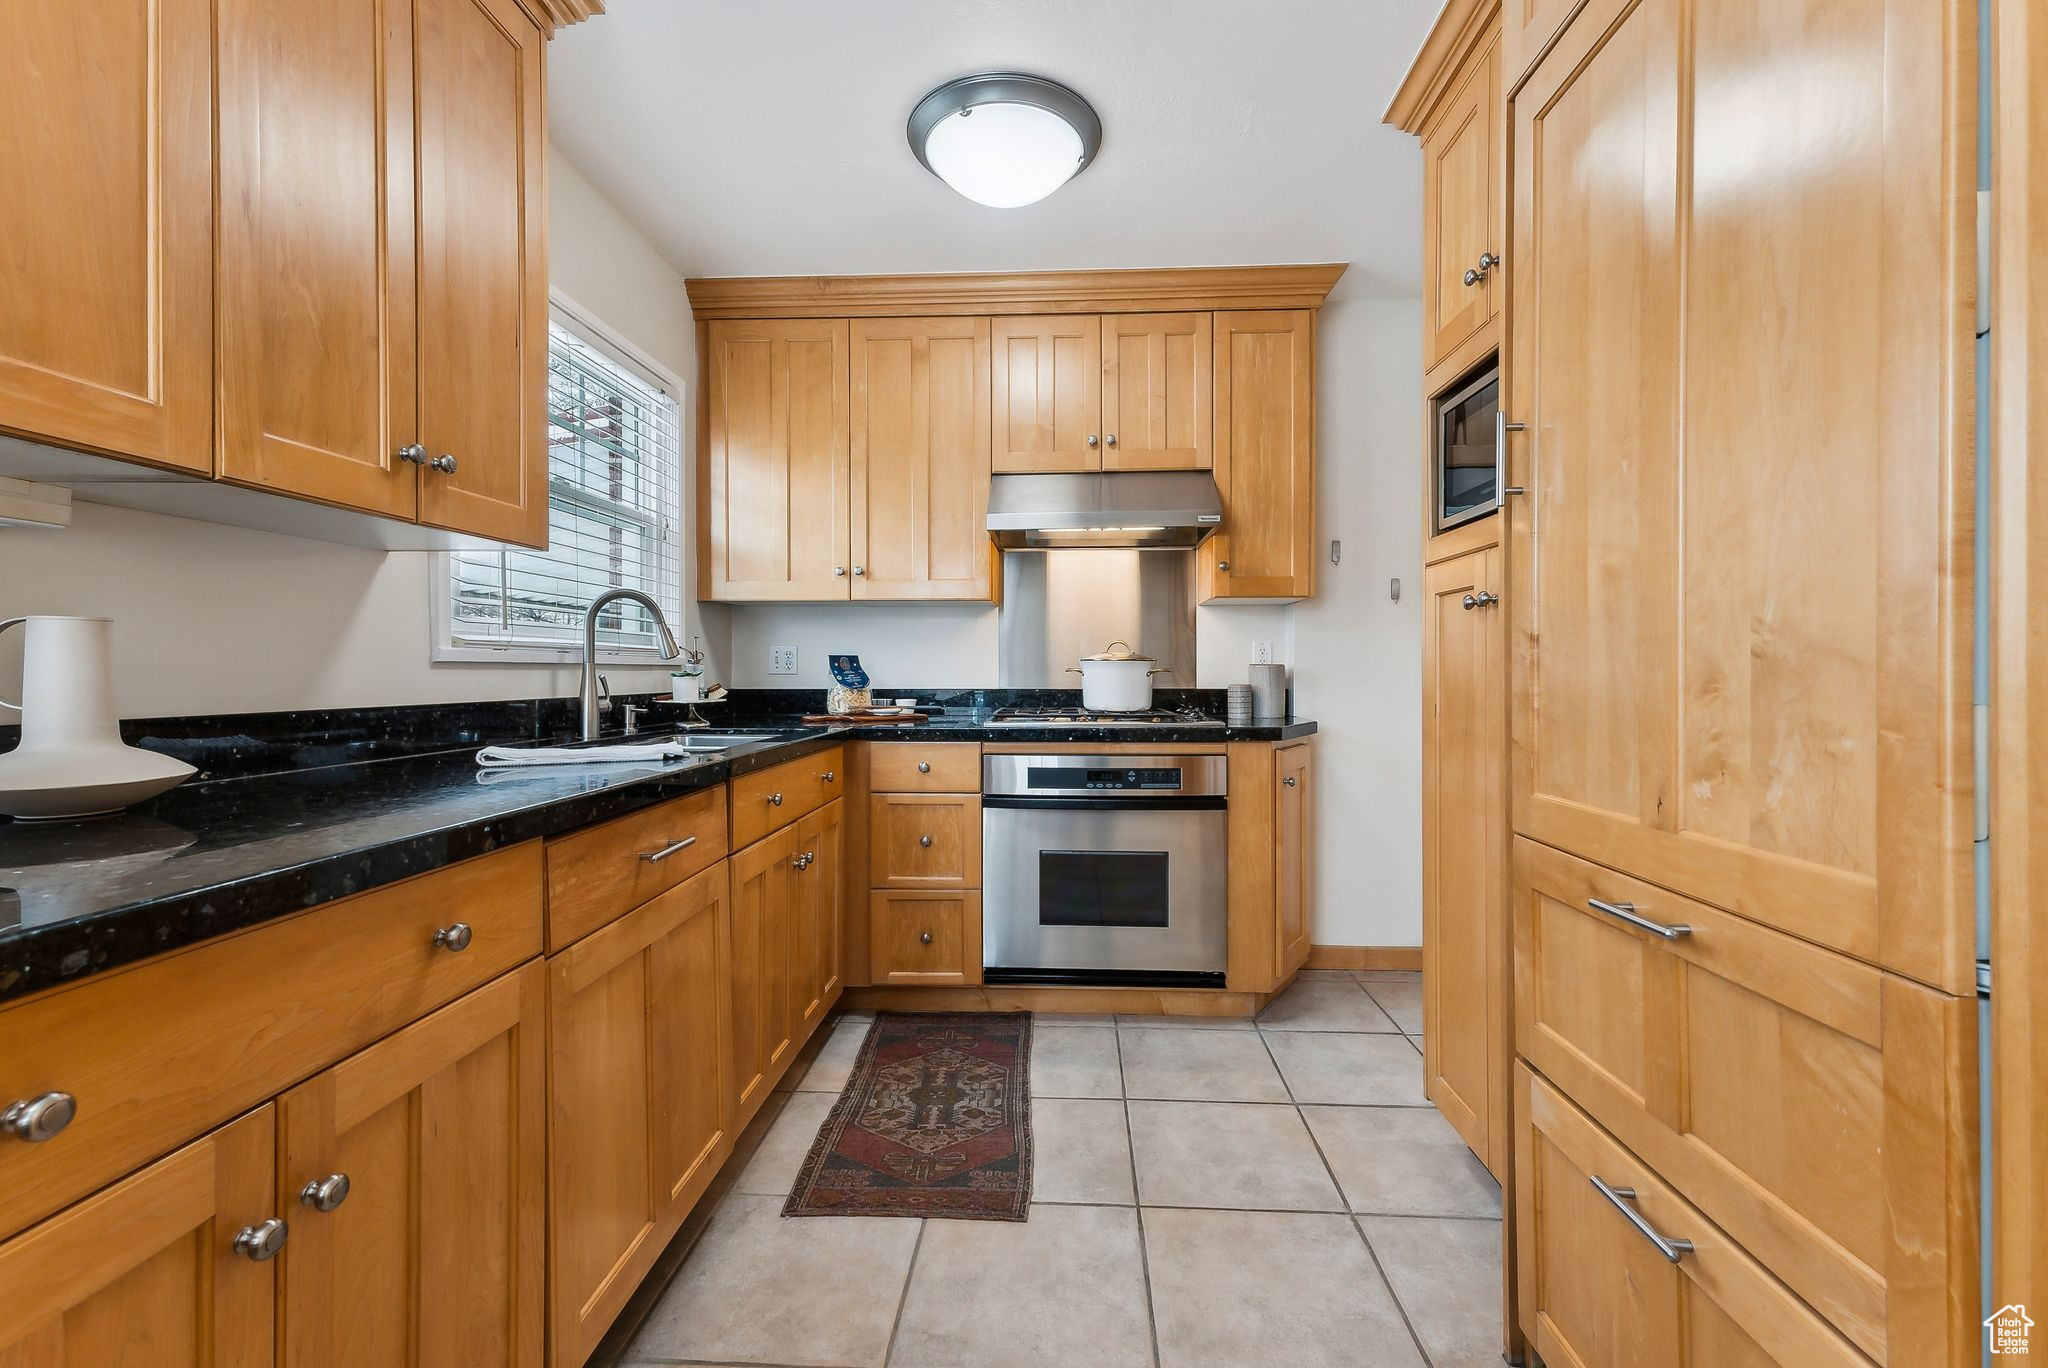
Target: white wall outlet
<point>782,660</point>
<point>1262,653</point>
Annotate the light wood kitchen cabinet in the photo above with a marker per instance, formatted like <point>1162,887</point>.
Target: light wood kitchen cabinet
<point>1157,391</point>
<point>924,840</point>
<point>764,940</point>
<point>429,1250</point>
<point>818,970</point>
<point>1045,392</point>
<point>921,459</point>
<point>483,275</point>
<point>1740,637</point>
<point>1264,458</point>
<point>775,510</point>
<point>145,1274</point>
<point>106,339</point>
<point>1293,824</point>
<point>639,1111</point>
<point>1462,229</point>
<point>1527,29</point>
<point>925,937</point>
<point>1600,1290</point>
<point>319,330</point>
<point>1464,852</point>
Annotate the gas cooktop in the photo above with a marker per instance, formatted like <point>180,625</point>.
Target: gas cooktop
<point>1087,717</point>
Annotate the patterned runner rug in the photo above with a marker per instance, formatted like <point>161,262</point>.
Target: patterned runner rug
<point>936,1121</point>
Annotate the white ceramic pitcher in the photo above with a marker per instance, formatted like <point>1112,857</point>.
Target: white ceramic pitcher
<point>71,761</point>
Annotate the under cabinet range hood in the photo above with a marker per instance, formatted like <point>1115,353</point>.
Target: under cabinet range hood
<point>1144,509</point>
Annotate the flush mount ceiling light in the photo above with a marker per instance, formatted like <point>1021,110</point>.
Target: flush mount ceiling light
<point>1003,138</point>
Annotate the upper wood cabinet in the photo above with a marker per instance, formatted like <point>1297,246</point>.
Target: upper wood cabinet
<point>144,1274</point>
<point>1156,391</point>
<point>318,313</point>
<point>1740,626</point>
<point>364,324</point>
<point>1527,28</point>
<point>1045,386</point>
<point>775,514</point>
<point>106,334</point>
<point>1464,852</point>
<point>1462,231</point>
<point>921,459</point>
<point>432,1252</point>
<point>1264,456</point>
<point>482,269</point>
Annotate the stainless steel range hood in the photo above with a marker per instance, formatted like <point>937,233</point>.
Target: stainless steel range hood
<point>1116,508</point>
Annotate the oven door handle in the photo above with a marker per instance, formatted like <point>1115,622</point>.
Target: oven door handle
<point>1178,803</point>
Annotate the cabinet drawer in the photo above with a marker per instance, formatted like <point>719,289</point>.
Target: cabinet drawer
<point>603,872</point>
<point>156,1054</point>
<point>924,767</point>
<point>1814,1107</point>
<point>770,799</point>
<point>924,840</point>
<point>1597,1289</point>
<point>925,937</point>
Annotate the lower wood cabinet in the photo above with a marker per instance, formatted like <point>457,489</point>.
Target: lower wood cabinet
<point>639,1036</point>
<point>1817,1109</point>
<point>1292,822</point>
<point>924,840</point>
<point>412,1178</point>
<point>145,1274</point>
<point>787,904</point>
<point>924,938</point>
<point>819,969</point>
<point>1618,1271</point>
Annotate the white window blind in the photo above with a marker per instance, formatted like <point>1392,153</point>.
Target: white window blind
<point>614,503</point>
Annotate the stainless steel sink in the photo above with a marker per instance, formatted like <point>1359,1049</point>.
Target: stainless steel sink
<point>715,741</point>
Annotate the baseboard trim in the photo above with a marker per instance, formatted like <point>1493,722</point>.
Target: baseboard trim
<point>1364,957</point>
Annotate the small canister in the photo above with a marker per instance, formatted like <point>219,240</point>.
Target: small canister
<point>1269,691</point>
<point>1237,705</point>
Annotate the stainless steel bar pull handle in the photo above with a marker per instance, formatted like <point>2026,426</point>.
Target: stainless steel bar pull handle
<point>1627,912</point>
<point>1621,1197</point>
<point>657,856</point>
<point>36,1119</point>
<point>1501,428</point>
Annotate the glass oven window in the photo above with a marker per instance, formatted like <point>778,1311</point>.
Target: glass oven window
<point>1465,436</point>
<point>1102,888</point>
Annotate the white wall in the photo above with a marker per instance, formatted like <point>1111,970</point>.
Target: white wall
<point>1357,654</point>
<point>215,619</point>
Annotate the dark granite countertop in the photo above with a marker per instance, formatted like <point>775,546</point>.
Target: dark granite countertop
<point>209,858</point>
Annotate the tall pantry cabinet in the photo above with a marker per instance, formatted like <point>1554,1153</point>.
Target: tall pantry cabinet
<point>1736,595</point>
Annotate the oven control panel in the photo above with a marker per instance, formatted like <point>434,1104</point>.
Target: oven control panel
<point>1116,780</point>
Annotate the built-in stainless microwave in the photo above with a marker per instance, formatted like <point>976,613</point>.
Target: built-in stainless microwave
<point>1465,451</point>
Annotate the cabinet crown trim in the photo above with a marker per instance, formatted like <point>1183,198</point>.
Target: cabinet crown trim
<point>562,13</point>
<point>1458,32</point>
<point>1170,290</point>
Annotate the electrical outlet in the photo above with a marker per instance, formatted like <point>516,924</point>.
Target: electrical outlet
<point>1262,653</point>
<point>782,660</point>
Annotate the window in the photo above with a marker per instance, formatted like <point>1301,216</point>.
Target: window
<point>614,506</point>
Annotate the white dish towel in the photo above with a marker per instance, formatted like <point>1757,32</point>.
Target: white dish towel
<point>504,757</point>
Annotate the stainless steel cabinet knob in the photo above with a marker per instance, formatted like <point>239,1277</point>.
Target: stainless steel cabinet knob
<point>924,767</point>
<point>443,463</point>
<point>325,1194</point>
<point>1289,781</point>
<point>1485,598</point>
<point>261,1241</point>
<point>1488,260</point>
<point>775,800</point>
<point>1471,277</point>
<point>860,569</point>
<point>1092,439</point>
<point>413,454</point>
<point>829,775</point>
<point>924,840</point>
<point>1111,439</point>
<point>1223,565</point>
<point>454,938</point>
<point>36,1119</point>
<point>801,862</point>
<point>839,570</point>
<point>925,939</point>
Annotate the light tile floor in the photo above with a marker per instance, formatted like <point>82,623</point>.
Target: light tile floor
<point>1206,1193</point>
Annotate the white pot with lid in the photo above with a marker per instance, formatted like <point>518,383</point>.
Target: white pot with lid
<point>1117,680</point>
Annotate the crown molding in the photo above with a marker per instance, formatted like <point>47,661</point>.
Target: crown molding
<point>562,13</point>
<point>1174,290</point>
<point>1459,30</point>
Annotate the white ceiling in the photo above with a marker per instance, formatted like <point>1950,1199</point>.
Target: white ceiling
<point>765,137</point>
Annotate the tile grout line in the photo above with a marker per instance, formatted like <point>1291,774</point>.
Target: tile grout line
<point>1350,1215</point>
<point>903,1298</point>
<point>1137,1205</point>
